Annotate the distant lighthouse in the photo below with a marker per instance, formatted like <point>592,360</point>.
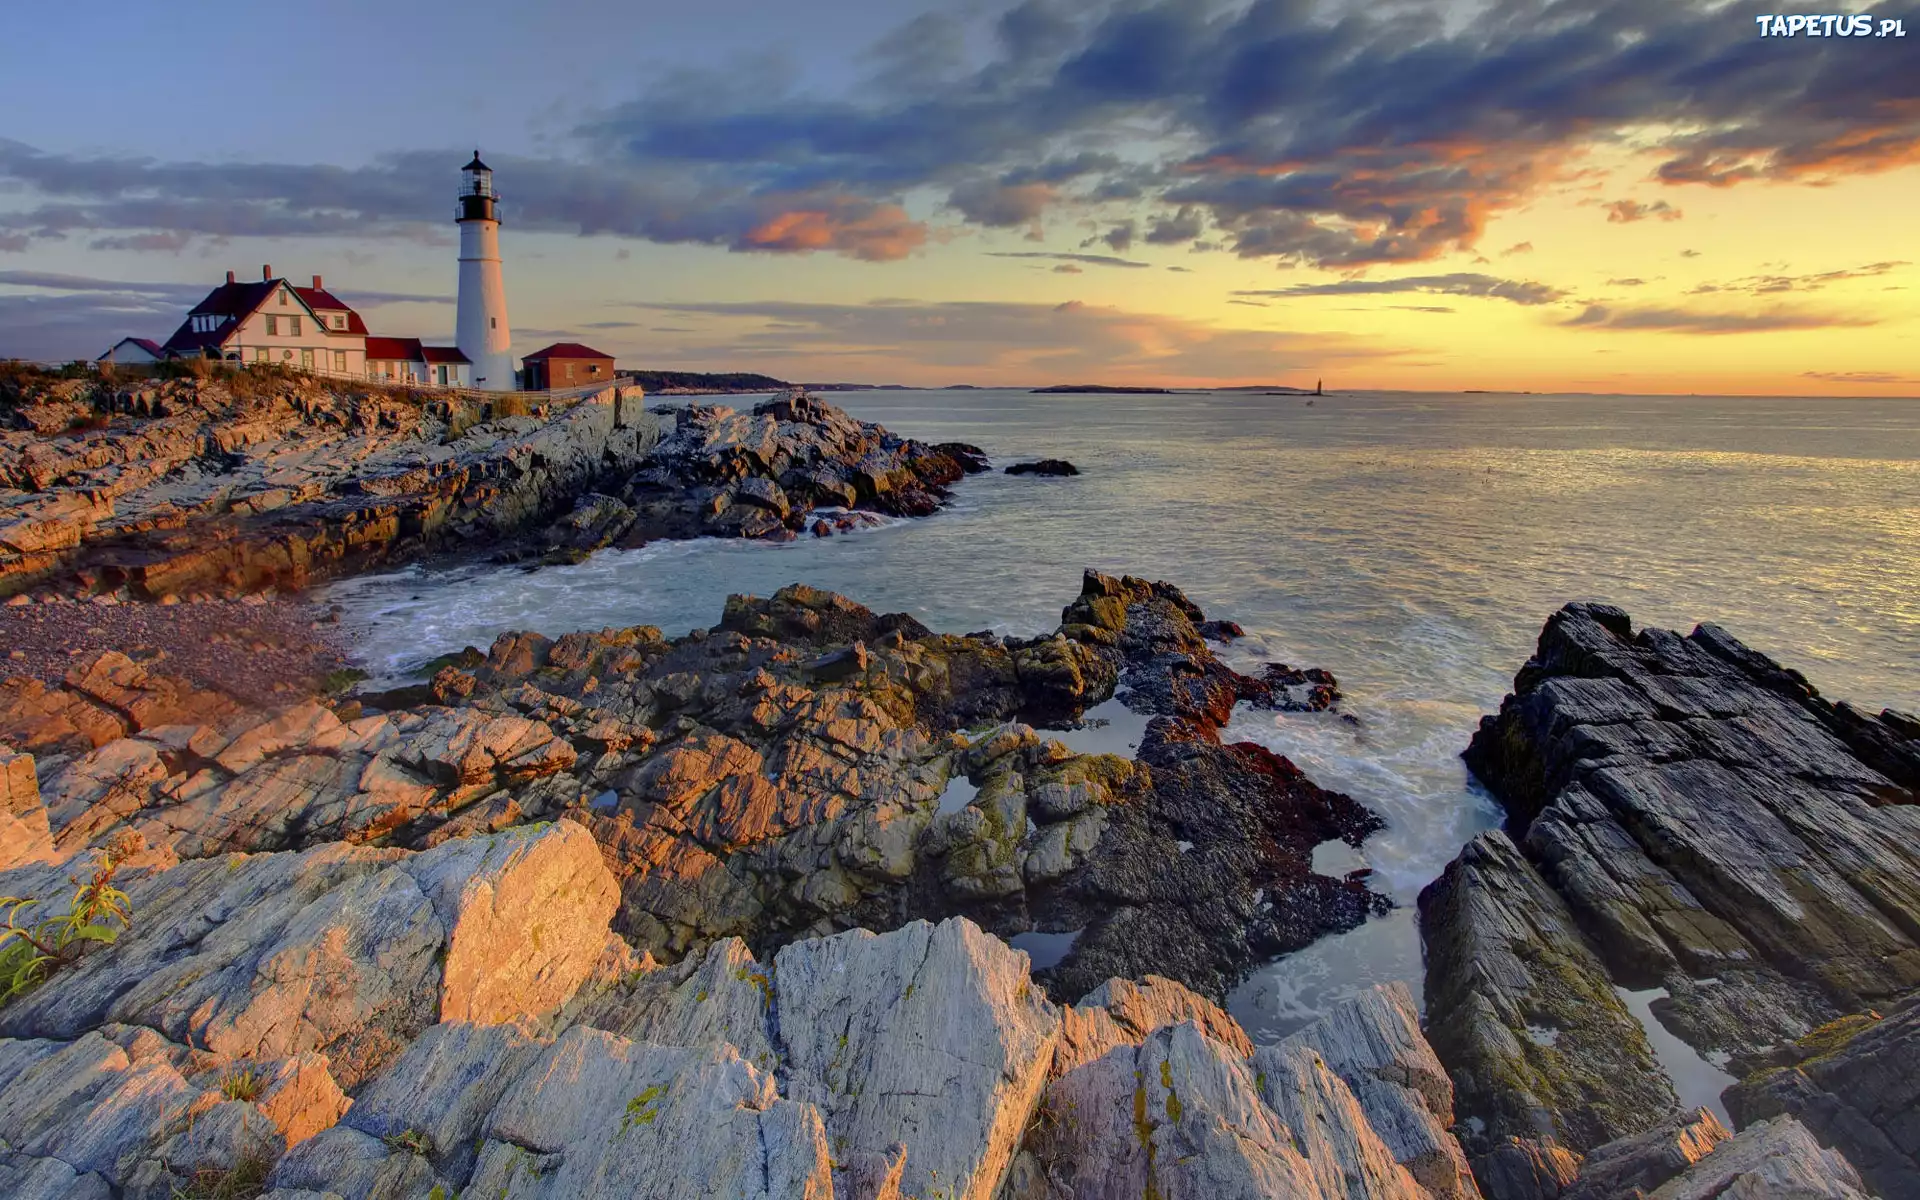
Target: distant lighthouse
<point>481,330</point>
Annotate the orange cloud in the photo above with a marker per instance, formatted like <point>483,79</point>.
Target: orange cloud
<point>873,233</point>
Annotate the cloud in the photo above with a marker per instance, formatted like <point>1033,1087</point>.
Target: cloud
<point>1335,135</point>
<point>1517,248</point>
<point>1067,269</point>
<point>1422,308</point>
<point>1689,254</point>
<point>1758,285</point>
<point>1000,205</point>
<point>1182,226</point>
<point>1006,340</point>
<point>1682,320</point>
<point>1630,281</point>
<point>1462,283</point>
<point>169,240</point>
<point>1119,239</point>
<point>1863,377</point>
<point>1097,260</point>
<point>1626,212</point>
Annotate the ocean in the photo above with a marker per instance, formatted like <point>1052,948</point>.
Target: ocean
<point>1412,544</point>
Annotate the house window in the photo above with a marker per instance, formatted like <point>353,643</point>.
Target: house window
<point>273,326</point>
<point>594,369</point>
<point>339,360</point>
<point>306,360</point>
<point>339,322</point>
<point>260,355</point>
<point>293,326</point>
<point>283,299</point>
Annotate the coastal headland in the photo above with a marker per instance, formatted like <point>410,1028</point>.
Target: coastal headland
<point>739,912</point>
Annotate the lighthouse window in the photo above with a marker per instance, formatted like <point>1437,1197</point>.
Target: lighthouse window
<point>493,322</point>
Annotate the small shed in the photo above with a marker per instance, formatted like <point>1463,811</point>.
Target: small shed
<point>565,365</point>
<point>133,351</point>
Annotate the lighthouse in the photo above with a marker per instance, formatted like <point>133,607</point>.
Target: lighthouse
<point>481,327</point>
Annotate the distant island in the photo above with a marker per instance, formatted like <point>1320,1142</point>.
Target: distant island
<point>1100,389</point>
<point>1268,389</point>
<point>696,382</point>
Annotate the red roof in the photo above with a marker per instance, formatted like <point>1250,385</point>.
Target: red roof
<point>237,301</point>
<point>386,349</point>
<point>566,350</point>
<point>444,354</point>
<point>317,300</point>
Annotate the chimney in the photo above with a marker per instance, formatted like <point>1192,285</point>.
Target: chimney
<point>229,276</point>
<point>317,285</point>
<point>266,272</point>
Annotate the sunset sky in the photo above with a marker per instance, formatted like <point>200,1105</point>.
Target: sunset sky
<point>1632,196</point>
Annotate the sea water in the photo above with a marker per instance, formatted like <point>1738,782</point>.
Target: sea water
<point>1412,544</point>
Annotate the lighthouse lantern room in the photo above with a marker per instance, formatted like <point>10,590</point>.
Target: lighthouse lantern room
<point>481,329</point>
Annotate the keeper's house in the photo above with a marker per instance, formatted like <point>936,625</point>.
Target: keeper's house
<point>274,321</point>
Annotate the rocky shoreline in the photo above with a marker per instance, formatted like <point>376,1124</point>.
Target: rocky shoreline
<point>189,488</point>
<point>613,913</point>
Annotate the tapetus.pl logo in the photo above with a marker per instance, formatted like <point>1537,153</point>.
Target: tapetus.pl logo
<point>1856,25</point>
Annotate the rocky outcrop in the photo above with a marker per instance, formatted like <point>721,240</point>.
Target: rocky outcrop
<point>1546,1061</point>
<point>1774,1160</point>
<point>318,1023</point>
<point>233,485</point>
<point>797,770</point>
<point>1045,466</point>
<point>1685,814</point>
<point>718,472</point>
<point>1156,1092</point>
<point>1852,1085</point>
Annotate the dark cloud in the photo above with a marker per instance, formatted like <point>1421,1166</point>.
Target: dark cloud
<point>1867,377</point>
<point>1339,135</point>
<point>1097,260</point>
<point>1682,320</point>
<point>1119,239</point>
<point>1689,254</point>
<point>1757,285</point>
<point>1183,226</point>
<point>1517,248</point>
<point>1460,283</point>
<point>1628,282</point>
<point>1626,212</point>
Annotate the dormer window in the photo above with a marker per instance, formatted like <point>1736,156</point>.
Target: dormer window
<point>339,321</point>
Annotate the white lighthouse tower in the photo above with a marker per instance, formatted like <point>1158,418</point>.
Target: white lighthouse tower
<point>481,328</point>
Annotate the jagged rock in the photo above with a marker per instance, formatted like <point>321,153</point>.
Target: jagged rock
<point>347,952</point>
<point>1374,1044</point>
<point>1854,1087</point>
<point>1544,1056</point>
<point>235,488</point>
<point>597,1116</point>
<point>1709,817</point>
<point>930,1036</point>
<point>1636,1165</point>
<point>1045,466</point>
<point>25,836</point>
<point>761,474</point>
<point>1155,1091</point>
<point>1774,1160</point>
